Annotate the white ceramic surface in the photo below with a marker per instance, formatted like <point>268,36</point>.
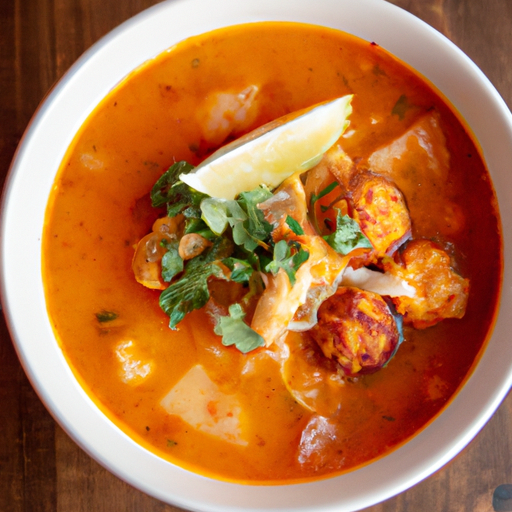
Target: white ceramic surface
<point>31,179</point>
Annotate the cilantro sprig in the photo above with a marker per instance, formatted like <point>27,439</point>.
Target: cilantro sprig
<point>289,256</point>
<point>248,225</point>
<point>347,236</point>
<point>177,195</point>
<point>235,331</point>
<point>191,292</point>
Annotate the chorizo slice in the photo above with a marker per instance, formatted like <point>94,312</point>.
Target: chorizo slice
<point>357,329</point>
<point>381,212</point>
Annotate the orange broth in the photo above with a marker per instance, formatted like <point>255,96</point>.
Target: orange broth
<point>99,210</point>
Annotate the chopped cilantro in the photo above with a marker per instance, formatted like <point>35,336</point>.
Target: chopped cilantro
<point>214,212</point>
<point>235,331</point>
<point>172,264</point>
<point>348,235</point>
<point>283,258</point>
<point>248,225</point>
<point>197,225</point>
<point>256,225</point>
<point>173,192</point>
<point>294,226</point>
<point>242,242</point>
<point>241,270</point>
<point>191,290</point>
<point>106,316</point>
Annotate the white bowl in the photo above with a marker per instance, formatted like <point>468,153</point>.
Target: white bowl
<point>31,179</point>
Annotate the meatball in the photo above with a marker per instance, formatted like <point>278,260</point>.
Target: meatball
<point>381,212</point>
<point>357,329</point>
<point>440,292</point>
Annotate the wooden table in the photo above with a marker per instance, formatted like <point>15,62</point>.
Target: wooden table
<point>41,469</point>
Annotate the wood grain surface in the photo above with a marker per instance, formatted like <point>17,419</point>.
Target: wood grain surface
<point>41,468</point>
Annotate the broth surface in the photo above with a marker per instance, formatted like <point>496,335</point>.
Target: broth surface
<point>99,209</point>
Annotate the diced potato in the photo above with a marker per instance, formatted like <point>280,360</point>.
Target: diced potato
<point>200,403</point>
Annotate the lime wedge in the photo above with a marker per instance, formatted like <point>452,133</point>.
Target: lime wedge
<point>273,152</point>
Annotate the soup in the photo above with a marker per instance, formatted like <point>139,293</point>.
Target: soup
<point>261,416</point>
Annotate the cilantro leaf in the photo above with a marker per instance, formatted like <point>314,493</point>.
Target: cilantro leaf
<point>235,331</point>
<point>178,195</point>
<point>241,270</point>
<point>256,224</point>
<point>348,235</point>
<point>160,192</point>
<point>248,225</point>
<point>106,316</point>
<point>191,290</point>
<point>294,226</point>
<point>188,293</point>
<point>192,212</point>
<point>196,225</point>
<point>399,321</point>
<point>172,264</point>
<point>283,258</point>
<point>218,213</point>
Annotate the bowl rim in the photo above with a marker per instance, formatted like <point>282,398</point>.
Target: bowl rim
<point>59,117</point>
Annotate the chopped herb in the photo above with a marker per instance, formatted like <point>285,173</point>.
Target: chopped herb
<point>294,226</point>
<point>388,418</point>
<point>283,258</point>
<point>324,192</point>
<point>399,321</point>
<point>241,271</point>
<point>249,227</point>
<point>171,443</point>
<point>196,225</point>
<point>256,227</point>
<point>172,264</point>
<point>401,107</point>
<point>218,213</point>
<point>106,316</point>
<point>242,242</point>
<point>348,235</point>
<point>173,192</point>
<point>192,212</point>
<point>315,197</point>
<point>235,331</point>
<point>191,290</point>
